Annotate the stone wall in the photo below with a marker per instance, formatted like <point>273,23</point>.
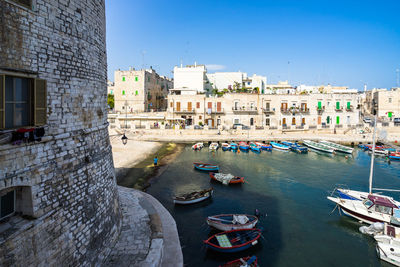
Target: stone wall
<point>66,191</point>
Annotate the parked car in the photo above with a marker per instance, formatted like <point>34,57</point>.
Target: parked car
<point>396,121</point>
<point>198,127</point>
<point>244,127</point>
<point>367,120</point>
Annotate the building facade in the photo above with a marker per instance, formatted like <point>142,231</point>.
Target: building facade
<point>191,76</point>
<point>387,103</point>
<point>58,193</point>
<point>139,91</point>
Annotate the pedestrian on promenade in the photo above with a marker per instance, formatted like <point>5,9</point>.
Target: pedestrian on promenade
<point>155,161</point>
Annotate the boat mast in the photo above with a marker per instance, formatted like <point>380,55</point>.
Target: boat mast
<point>373,155</point>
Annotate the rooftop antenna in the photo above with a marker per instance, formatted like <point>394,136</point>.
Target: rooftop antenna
<point>143,65</point>
<point>397,78</point>
<point>181,64</point>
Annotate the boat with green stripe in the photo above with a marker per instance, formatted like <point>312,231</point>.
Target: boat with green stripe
<point>337,147</point>
<point>318,146</point>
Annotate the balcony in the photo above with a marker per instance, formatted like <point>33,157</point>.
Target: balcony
<point>320,110</point>
<point>304,110</point>
<point>244,109</point>
<point>285,110</point>
<point>185,111</point>
<point>268,110</point>
<point>338,108</point>
<point>349,108</point>
<point>217,111</point>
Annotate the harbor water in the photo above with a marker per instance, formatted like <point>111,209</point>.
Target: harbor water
<point>290,192</point>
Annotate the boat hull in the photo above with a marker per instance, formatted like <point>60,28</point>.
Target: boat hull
<point>388,249</point>
<point>235,180</point>
<point>205,167</point>
<point>227,227</point>
<point>193,201</point>
<point>279,146</point>
<point>318,147</point>
<point>249,237</point>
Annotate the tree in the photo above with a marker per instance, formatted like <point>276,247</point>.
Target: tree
<point>110,101</point>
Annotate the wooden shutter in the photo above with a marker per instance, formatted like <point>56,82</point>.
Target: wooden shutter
<point>219,109</point>
<point>40,102</point>
<point>178,106</point>
<point>189,106</point>
<point>2,101</point>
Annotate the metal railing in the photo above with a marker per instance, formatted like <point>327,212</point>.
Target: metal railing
<point>267,110</point>
<point>192,111</point>
<point>244,109</point>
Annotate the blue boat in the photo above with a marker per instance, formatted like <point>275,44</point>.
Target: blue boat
<point>264,146</point>
<point>234,240</point>
<point>295,147</point>
<point>244,146</point>
<point>225,146</point>
<point>279,146</point>
<point>205,167</point>
<point>394,156</point>
<point>255,148</point>
<point>234,146</point>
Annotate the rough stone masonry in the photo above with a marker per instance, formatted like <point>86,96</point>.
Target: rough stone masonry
<point>67,209</point>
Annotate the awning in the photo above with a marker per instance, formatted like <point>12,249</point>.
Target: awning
<point>383,201</point>
<point>175,119</point>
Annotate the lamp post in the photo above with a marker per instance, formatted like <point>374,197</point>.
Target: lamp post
<point>124,139</point>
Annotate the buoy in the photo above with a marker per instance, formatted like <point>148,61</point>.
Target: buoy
<point>257,213</point>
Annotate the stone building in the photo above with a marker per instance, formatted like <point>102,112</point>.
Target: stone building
<point>283,111</point>
<point>139,91</point>
<point>388,103</point>
<point>58,194</point>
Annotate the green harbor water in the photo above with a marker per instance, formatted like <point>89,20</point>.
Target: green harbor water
<point>290,190</point>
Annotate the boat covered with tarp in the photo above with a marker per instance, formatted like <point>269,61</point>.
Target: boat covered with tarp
<point>227,222</point>
<point>234,240</point>
<point>226,178</point>
<point>213,146</point>
<point>193,197</point>
<point>205,167</point>
<point>197,146</point>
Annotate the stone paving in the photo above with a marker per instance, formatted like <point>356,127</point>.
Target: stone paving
<point>142,240</point>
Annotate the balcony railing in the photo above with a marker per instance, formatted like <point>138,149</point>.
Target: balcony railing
<point>320,109</point>
<point>304,110</point>
<point>338,126</point>
<point>217,111</point>
<point>268,110</point>
<point>349,108</point>
<point>338,108</point>
<point>190,111</point>
<point>285,110</point>
<point>244,109</point>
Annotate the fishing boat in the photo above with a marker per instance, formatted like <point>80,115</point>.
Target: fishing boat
<point>395,156</point>
<point>226,178</point>
<point>337,147</point>
<point>255,147</point>
<point>264,146</point>
<point>318,146</point>
<point>234,146</point>
<point>279,146</point>
<point>227,222</point>
<point>242,262</point>
<point>295,147</point>
<point>213,146</point>
<point>193,197</point>
<point>244,146</point>
<point>363,146</point>
<point>388,249</point>
<point>366,207</point>
<point>234,240</point>
<point>205,167</point>
<point>197,146</point>
<point>225,146</point>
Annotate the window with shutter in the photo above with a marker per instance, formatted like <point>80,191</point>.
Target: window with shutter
<point>40,102</point>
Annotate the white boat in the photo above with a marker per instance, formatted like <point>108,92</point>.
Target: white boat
<point>318,146</point>
<point>193,197</point>
<point>338,147</point>
<point>225,146</point>
<point>197,146</point>
<point>213,146</point>
<point>388,249</point>
<point>227,222</point>
<point>367,207</point>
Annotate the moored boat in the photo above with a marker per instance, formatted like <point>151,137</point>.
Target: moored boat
<point>264,146</point>
<point>234,240</point>
<point>388,249</point>
<point>234,146</point>
<point>225,146</point>
<point>226,178</point>
<point>255,147</point>
<point>227,222</point>
<point>193,197</point>
<point>205,167</point>
<point>338,147</point>
<point>242,262</point>
<point>279,146</point>
<point>197,146</point>
<point>243,146</point>
<point>213,146</point>
<point>318,146</point>
<point>395,156</point>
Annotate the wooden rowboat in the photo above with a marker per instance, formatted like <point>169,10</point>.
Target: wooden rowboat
<point>234,180</point>
<point>279,146</point>
<point>245,261</point>
<point>264,146</point>
<point>227,222</point>
<point>205,167</point>
<point>243,146</point>
<point>193,197</point>
<point>234,240</point>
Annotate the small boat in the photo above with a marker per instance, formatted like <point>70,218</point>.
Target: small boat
<point>395,156</point>
<point>197,146</point>
<point>363,146</point>
<point>193,197</point>
<point>234,146</point>
<point>225,146</point>
<point>337,147</point>
<point>295,147</point>
<point>279,146</point>
<point>380,152</point>
<point>318,146</point>
<point>205,167</point>
<point>226,178</point>
<point>243,146</point>
<point>227,222</point>
<point>242,262</point>
<point>264,146</point>
<point>213,146</point>
<point>255,147</point>
<point>388,249</point>
<point>234,240</point>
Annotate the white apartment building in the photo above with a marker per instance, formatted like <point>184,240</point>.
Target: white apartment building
<point>236,80</point>
<point>190,76</point>
<point>139,90</point>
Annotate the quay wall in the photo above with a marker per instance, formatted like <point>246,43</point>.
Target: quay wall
<point>66,201</point>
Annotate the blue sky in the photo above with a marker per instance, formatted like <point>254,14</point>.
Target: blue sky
<point>345,43</point>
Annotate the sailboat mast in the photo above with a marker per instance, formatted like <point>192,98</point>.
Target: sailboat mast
<point>372,157</point>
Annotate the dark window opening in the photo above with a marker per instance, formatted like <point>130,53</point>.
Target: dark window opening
<point>7,204</point>
<point>25,3</point>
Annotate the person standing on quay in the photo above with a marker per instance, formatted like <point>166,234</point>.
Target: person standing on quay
<point>155,161</point>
